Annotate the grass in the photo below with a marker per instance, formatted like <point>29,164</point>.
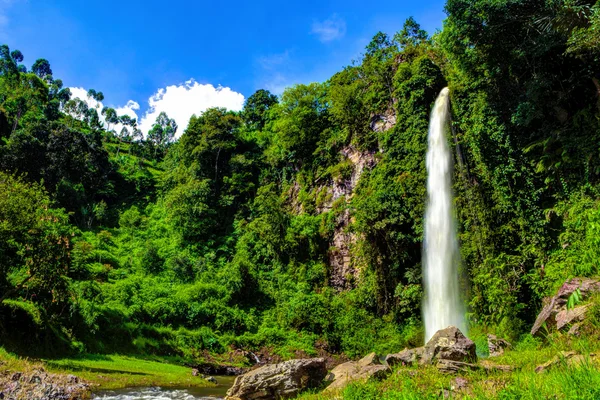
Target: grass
<point>110,371</point>
<point>577,381</point>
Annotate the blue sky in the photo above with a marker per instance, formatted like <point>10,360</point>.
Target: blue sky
<point>130,50</point>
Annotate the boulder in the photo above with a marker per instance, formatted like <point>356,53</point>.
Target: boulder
<point>557,304</point>
<point>405,357</point>
<point>568,316</point>
<point>449,344</point>
<point>497,345</point>
<point>278,381</point>
<point>351,371</point>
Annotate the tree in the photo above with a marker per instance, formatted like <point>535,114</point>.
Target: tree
<point>110,116</point>
<point>256,107</point>
<point>34,244</point>
<point>411,34</point>
<point>41,67</point>
<point>98,96</point>
<point>162,132</point>
<point>9,60</point>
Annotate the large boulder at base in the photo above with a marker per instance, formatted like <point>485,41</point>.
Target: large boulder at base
<point>497,345</point>
<point>405,357</point>
<point>555,313</point>
<point>279,381</point>
<point>449,344</point>
<point>351,371</point>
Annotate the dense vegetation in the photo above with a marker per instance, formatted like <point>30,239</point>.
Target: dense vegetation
<point>252,230</point>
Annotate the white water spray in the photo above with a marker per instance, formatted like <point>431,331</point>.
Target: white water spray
<point>442,306</point>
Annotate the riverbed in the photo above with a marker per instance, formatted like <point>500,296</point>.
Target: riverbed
<point>157,393</point>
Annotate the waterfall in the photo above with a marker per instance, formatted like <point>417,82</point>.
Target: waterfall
<point>442,305</point>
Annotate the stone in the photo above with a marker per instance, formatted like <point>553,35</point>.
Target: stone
<point>38,384</point>
<point>449,344</point>
<point>492,367</point>
<point>574,330</point>
<point>554,305</point>
<point>278,381</point>
<point>362,370</point>
<point>459,384</point>
<point>405,357</point>
<point>212,379</point>
<point>497,345</point>
<point>369,359</point>
<point>568,316</point>
<point>568,357</point>
<point>195,372</point>
<point>453,367</point>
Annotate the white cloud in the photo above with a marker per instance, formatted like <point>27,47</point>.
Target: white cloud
<point>331,29</point>
<point>182,101</point>
<point>128,109</point>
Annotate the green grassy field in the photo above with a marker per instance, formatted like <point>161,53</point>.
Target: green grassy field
<point>111,371</point>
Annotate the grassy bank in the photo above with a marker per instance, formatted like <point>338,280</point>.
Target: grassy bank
<point>111,371</point>
<point>565,380</point>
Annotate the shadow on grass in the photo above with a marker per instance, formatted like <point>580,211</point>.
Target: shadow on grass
<point>73,367</point>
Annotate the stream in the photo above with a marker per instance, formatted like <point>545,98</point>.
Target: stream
<point>157,393</point>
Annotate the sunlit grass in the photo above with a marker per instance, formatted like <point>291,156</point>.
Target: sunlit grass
<point>111,371</point>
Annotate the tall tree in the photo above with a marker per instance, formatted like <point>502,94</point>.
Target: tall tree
<point>256,107</point>
<point>41,67</point>
<point>162,132</point>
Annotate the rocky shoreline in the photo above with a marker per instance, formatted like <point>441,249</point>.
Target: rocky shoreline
<point>39,384</point>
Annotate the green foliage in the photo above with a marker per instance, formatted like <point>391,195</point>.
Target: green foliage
<point>232,235</point>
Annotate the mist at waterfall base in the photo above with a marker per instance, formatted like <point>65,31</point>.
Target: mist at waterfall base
<point>442,303</point>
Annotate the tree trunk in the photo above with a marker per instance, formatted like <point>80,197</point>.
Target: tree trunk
<point>597,84</point>
<point>16,122</point>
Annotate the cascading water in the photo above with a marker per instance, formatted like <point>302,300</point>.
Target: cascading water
<point>443,306</point>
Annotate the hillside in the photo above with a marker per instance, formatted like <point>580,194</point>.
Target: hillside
<point>294,227</point>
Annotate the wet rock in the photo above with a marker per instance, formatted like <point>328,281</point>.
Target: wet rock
<point>214,369</point>
<point>279,381</point>
<point>366,368</point>
<point>497,345</point>
<point>558,303</point>
<point>212,379</point>
<point>195,372</point>
<point>449,344</point>
<point>405,357</point>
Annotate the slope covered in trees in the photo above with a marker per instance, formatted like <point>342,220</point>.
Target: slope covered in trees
<point>296,224</point>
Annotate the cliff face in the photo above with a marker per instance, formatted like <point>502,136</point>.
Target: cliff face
<point>343,268</point>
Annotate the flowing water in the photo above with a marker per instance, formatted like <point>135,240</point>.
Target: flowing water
<point>156,393</point>
<point>442,306</point>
